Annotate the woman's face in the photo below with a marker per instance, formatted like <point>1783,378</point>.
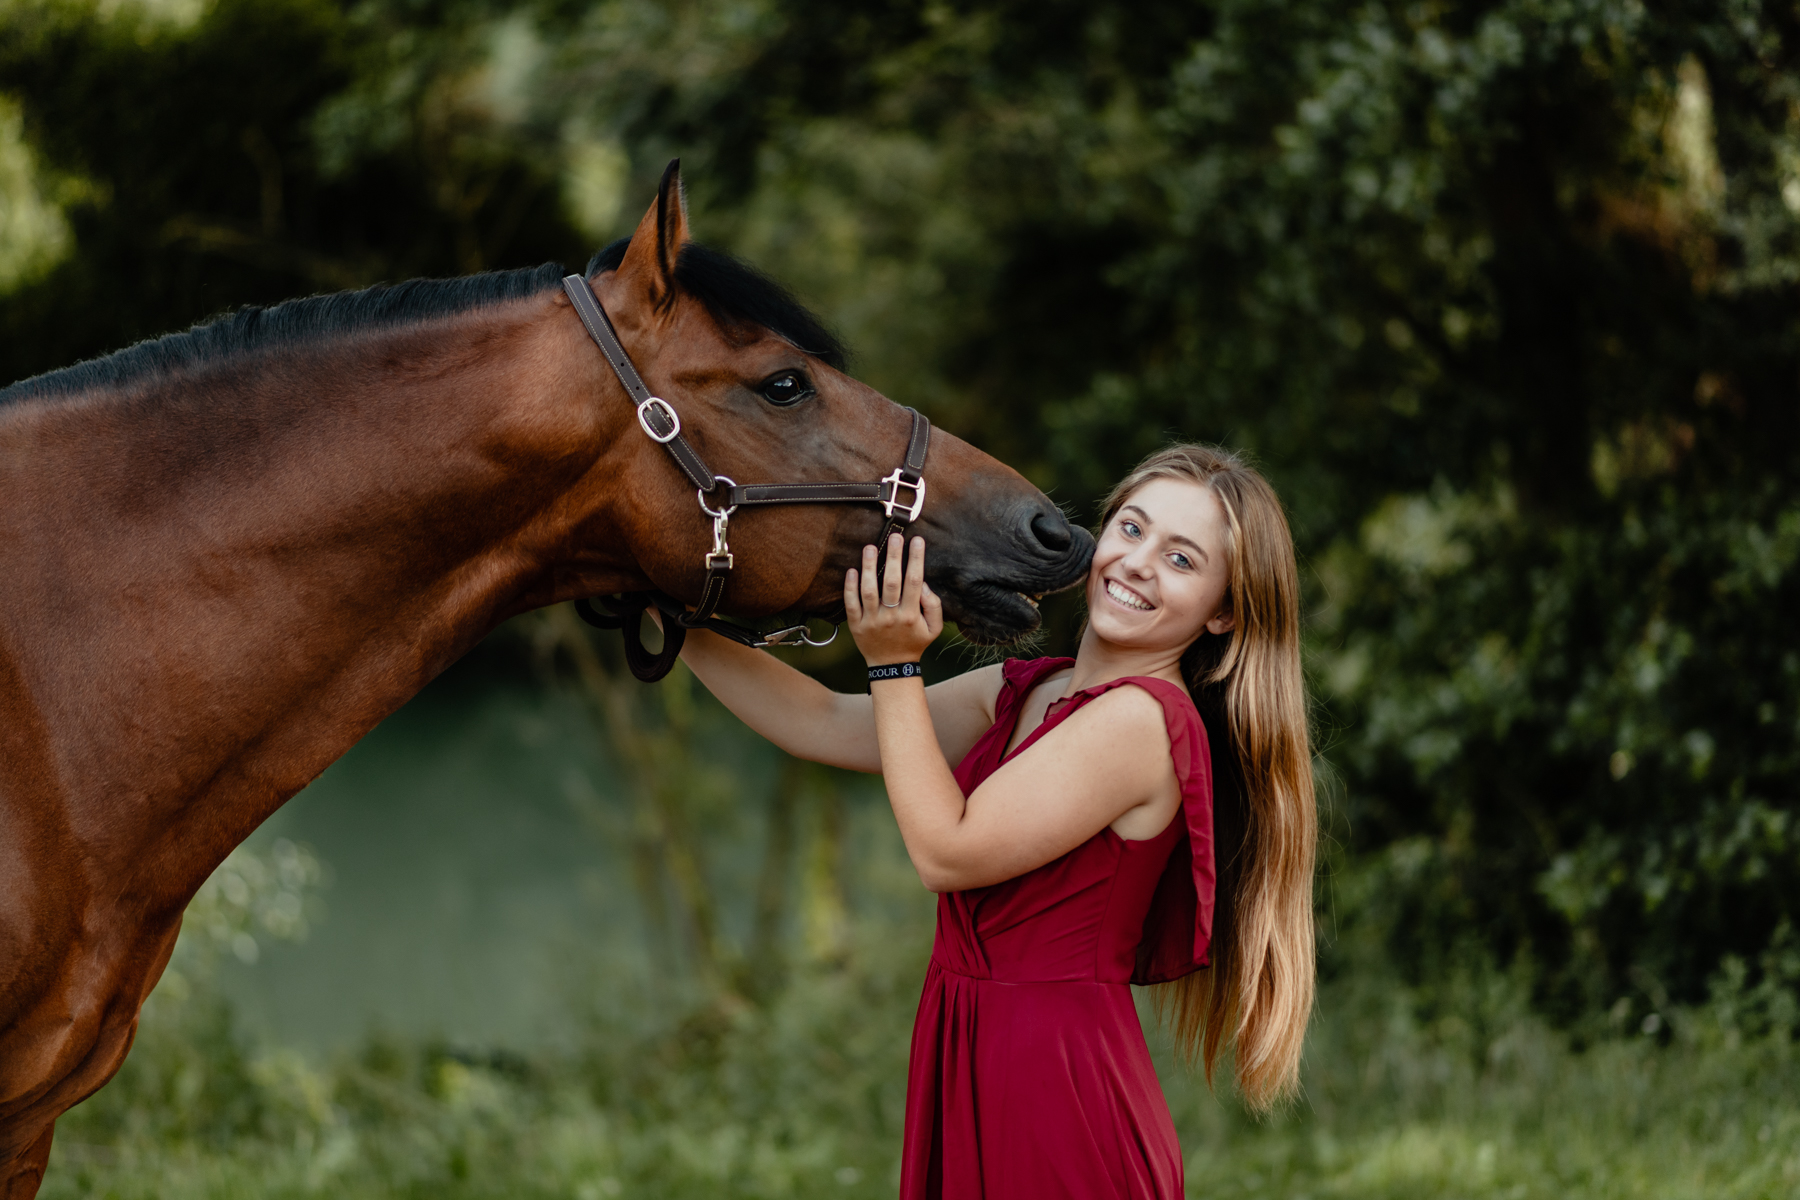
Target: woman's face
<point>1159,575</point>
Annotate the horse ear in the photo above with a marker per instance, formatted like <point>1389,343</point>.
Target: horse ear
<point>648,268</point>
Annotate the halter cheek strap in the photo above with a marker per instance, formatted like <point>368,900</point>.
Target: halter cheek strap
<point>900,494</point>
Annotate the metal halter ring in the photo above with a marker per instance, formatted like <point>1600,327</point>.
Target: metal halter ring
<point>667,411</point>
<point>729,483</point>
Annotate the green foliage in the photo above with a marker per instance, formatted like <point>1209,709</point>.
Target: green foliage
<point>674,1089</point>
<point>258,151</point>
<point>1500,293</point>
<point>804,1097</point>
<point>1600,736</point>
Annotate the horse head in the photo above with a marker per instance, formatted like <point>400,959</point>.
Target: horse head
<point>763,396</point>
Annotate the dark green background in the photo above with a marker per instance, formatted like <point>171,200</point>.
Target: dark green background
<point>1503,296</point>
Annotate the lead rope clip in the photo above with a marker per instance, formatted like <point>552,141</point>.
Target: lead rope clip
<point>719,557</point>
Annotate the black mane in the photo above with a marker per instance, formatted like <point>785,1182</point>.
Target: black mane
<point>256,327</point>
<point>730,289</point>
<point>733,290</point>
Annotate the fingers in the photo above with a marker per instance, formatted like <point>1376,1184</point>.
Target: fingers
<point>934,611</point>
<point>893,614</point>
<point>911,590</point>
<point>892,577</point>
<point>871,596</point>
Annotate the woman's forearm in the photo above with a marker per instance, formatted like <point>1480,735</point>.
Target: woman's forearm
<point>791,709</point>
<point>927,801</point>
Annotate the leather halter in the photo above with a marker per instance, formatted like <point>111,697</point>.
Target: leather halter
<point>662,424</point>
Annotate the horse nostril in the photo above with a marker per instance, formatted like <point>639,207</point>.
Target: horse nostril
<point>1051,529</point>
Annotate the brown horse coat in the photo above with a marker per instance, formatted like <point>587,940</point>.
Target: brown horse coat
<point>218,574</point>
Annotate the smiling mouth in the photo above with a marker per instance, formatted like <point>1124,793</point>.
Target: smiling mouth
<point>1125,596</point>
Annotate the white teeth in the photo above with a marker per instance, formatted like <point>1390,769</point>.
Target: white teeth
<point>1126,598</point>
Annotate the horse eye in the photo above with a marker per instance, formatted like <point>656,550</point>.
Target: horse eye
<point>787,388</point>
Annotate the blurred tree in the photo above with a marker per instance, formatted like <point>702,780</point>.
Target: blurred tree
<point>259,150</point>
<point>649,736</point>
<point>1501,294</point>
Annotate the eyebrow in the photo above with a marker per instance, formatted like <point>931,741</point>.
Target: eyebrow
<point>1173,537</point>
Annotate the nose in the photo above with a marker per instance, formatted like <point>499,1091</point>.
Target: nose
<point>1140,560</point>
<point>1049,529</point>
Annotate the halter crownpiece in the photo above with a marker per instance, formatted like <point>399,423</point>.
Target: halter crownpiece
<point>662,424</point>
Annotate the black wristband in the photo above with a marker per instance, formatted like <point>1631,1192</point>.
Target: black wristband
<point>895,671</point>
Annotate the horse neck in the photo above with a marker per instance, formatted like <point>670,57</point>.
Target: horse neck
<point>217,584</point>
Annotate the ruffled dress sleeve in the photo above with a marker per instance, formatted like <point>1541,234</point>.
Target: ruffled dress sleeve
<point>1178,930</point>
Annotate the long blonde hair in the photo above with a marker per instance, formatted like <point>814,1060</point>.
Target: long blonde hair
<point>1249,688</point>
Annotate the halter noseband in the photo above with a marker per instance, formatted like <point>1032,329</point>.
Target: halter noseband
<point>662,424</point>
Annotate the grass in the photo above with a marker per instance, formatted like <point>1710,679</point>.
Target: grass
<point>802,1097</point>
<point>1700,1116</point>
<point>1457,1093</point>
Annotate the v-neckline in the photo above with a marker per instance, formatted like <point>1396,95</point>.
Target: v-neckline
<point>1044,722</point>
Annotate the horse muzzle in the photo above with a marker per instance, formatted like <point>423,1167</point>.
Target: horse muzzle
<point>991,584</point>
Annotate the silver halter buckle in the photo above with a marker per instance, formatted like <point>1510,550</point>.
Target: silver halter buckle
<point>668,411</point>
<point>890,501</point>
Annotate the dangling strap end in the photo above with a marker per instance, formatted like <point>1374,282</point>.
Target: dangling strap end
<point>599,620</point>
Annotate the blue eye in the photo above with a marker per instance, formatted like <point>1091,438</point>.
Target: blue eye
<point>1130,528</point>
<point>1181,560</point>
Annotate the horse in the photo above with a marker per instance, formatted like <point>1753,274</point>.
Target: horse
<point>226,554</point>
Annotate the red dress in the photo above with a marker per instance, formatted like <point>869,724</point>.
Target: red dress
<point>1030,1079</point>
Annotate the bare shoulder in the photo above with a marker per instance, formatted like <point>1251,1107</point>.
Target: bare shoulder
<point>1120,730</point>
<point>1114,750</point>
<point>1128,711</point>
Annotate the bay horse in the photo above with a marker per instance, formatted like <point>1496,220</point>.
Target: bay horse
<point>225,555</point>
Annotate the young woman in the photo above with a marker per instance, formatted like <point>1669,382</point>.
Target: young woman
<point>1074,845</point>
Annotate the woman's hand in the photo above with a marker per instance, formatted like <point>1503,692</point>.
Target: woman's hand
<point>892,623</point>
